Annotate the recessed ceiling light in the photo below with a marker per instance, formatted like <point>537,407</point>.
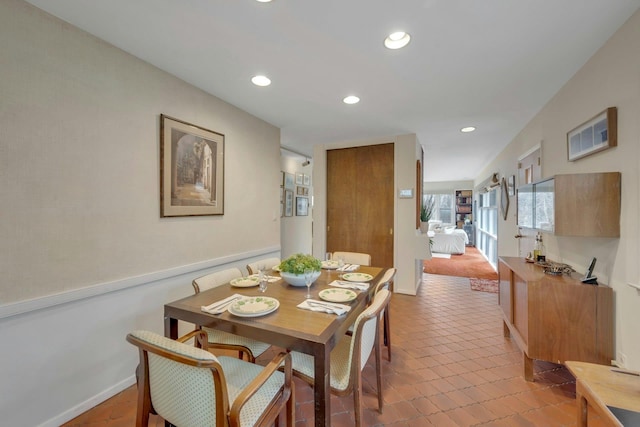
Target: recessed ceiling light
<point>351,99</point>
<point>260,80</point>
<point>264,1</point>
<point>397,40</point>
<point>468,129</point>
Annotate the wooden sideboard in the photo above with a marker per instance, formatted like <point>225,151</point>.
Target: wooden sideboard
<point>555,318</point>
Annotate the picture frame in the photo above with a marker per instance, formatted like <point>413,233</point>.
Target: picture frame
<point>289,181</point>
<point>306,179</point>
<point>281,178</point>
<point>597,134</point>
<point>306,191</point>
<point>299,179</point>
<point>300,190</point>
<point>191,169</point>
<point>504,198</point>
<point>302,206</point>
<point>511,184</point>
<point>288,203</point>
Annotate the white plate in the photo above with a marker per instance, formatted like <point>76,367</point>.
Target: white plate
<point>357,277</point>
<point>330,265</point>
<point>254,306</point>
<point>337,295</point>
<point>244,282</point>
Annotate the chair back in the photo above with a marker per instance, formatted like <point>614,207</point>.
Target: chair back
<point>386,280</point>
<point>365,330</point>
<point>213,280</point>
<point>267,263</point>
<point>353,257</point>
<point>182,383</point>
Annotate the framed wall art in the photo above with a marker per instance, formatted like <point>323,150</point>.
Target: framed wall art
<point>191,169</point>
<point>504,198</point>
<point>288,181</point>
<point>302,206</point>
<point>597,134</point>
<point>288,203</point>
<point>299,179</point>
<point>306,179</point>
<point>512,185</point>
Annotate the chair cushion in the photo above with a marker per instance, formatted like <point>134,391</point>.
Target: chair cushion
<point>220,337</point>
<point>340,358</point>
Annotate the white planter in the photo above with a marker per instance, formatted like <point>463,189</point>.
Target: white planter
<point>297,279</point>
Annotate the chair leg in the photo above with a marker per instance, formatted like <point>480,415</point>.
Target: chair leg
<point>387,333</point>
<point>357,396</point>
<point>378,352</point>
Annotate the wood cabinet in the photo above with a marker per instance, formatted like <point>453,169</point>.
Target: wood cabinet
<point>554,318</point>
<point>585,205</point>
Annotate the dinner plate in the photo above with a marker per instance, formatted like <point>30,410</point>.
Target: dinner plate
<point>245,282</point>
<point>254,306</point>
<point>337,295</point>
<point>330,265</point>
<point>357,277</point>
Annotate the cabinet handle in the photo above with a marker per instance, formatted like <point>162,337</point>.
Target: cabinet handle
<point>391,231</point>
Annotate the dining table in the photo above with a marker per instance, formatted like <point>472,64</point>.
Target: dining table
<point>289,327</point>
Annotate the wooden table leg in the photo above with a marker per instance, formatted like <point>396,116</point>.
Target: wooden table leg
<point>505,330</point>
<point>528,367</point>
<point>322,387</point>
<point>170,327</point>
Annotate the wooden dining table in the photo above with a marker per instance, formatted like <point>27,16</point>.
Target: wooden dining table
<point>289,327</point>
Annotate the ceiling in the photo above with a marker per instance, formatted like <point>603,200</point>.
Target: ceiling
<point>492,64</point>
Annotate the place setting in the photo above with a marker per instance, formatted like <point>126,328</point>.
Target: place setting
<point>243,306</point>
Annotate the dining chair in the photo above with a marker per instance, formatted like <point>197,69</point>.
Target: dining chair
<point>225,340</point>
<point>353,257</point>
<point>386,282</point>
<point>350,355</point>
<point>268,263</point>
<point>189,386</point>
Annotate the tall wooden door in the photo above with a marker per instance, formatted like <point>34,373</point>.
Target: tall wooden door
<point>360,190</point>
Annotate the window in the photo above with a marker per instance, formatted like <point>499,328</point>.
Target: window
<point>442,207</point>
<point>488,226</point>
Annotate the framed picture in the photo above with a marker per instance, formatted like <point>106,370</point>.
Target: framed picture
<point>306,190</point>
<point>299,179</point>
<point>302,206</point>
<point>281,178</point>
<point>288,181</point>
<point>191,169</point>
<point>300,190</point>
<point>597,134</point>
<point>306,179</point>
<point>504,199</point>
<point>512,185</point>
<point>288,203</point>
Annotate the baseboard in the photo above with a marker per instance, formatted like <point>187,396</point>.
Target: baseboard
<point>89,403</point>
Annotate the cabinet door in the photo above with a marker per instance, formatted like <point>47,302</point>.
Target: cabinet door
<point>504,296</point>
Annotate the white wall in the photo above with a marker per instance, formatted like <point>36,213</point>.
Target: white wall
<point>84,254</point>
<point>296,232</point>
<point>610,78</point>
<point>408,245</point>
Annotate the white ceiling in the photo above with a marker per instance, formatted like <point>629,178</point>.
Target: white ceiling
<point>492,64</point>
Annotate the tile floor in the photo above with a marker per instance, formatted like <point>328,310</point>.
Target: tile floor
<point>450,366</point>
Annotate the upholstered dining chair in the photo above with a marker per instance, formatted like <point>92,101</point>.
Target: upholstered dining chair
<point>353,257</point>
<point>386,282</point>
<point>253,267</point>
<point>189,386</point>
<point>225,340</point>
<point>350,355</point>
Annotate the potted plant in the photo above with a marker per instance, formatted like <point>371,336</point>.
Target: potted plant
<point>292,269</point>
<point>426,211</point>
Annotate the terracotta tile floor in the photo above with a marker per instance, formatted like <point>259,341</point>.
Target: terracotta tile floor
<point>450,366</point>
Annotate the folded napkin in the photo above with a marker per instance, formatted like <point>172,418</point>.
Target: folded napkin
<point>360,286</point>
<point>220,306</point>
<point>270,279</point>
<point>349,267</point>
<point>326,307</point>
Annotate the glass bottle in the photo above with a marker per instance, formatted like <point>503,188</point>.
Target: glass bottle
<point>538,249</point>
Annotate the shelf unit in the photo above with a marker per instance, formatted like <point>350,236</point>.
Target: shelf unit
<point>464,207</point>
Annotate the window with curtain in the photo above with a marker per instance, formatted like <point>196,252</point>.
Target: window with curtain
<point>442,207</point>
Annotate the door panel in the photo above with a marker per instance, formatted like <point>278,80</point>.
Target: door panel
<point>360,201</point>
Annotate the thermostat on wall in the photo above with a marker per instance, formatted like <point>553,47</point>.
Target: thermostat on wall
<point>406,193</point>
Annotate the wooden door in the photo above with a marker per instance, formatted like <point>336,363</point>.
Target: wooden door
<point>360,183</point>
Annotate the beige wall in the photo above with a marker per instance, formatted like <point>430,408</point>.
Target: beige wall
<point>610,78</point>
<point>79,163</point>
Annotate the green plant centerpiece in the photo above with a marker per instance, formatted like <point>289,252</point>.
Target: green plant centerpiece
<point>292,269</point>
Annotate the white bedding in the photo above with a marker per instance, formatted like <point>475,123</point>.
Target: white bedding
<point>449,243</point>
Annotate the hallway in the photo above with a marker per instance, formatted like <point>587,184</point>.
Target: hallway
<point>450,366</point>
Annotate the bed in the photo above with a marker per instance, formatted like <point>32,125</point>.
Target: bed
<point>449,241</point>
